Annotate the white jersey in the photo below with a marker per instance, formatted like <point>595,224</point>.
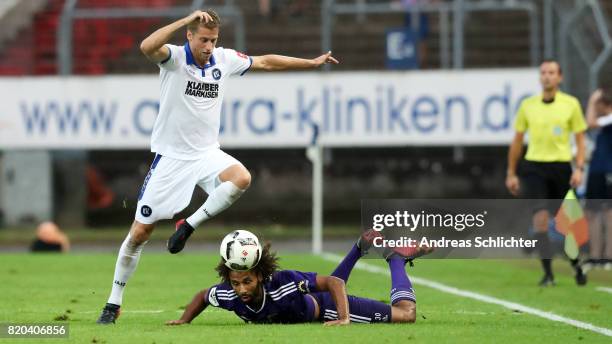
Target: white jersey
<point>190,101</point>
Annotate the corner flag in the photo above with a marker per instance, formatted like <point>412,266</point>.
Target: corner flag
<point>571,222</point>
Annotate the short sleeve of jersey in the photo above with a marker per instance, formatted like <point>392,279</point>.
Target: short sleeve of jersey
<point>237,62</point>
<point>520,123</point>
<point>172,61</point>
<point>223,296</point>
<point>577,122</point>
<point>304,281</point>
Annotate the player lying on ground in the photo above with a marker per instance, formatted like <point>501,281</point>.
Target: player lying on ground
<point>265,294</point>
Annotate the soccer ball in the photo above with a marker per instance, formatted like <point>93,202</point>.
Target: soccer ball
<point>240,250</point>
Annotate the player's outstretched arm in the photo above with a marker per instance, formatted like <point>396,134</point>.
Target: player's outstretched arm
<point>197,305</point>
<point>153,45</point>
<point>280,62</point>
<point>336,287</point>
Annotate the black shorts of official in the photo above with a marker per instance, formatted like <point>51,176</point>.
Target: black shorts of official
<point>599,187</point>
<point>545,180</point>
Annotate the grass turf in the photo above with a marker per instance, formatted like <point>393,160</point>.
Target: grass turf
<point>41,288</point>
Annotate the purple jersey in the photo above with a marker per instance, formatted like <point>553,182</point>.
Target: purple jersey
<point>284,299</point>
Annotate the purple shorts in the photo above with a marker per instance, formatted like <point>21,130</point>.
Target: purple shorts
<point>361,310</point>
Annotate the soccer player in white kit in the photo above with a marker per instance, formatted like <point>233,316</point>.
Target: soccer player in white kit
<point>185,137</point>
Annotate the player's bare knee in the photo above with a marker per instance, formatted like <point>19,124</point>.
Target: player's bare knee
<point>399,315</point>
<point>403,312</point>
<point>540,221</point>
<point>238,175</point>
<point>411,316</point>
<point>243,180</point>
<point>141,232</point>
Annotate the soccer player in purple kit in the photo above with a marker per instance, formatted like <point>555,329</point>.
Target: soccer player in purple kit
<point>265,294</point>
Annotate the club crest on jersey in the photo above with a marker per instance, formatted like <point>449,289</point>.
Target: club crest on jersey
<point>303,286</point>
<point>216,73</point>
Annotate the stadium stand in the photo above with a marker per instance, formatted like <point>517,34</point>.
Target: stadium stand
<point>98,43</point>
<point>103,46</point>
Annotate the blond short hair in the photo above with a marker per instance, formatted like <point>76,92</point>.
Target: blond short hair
<point>215,23</point>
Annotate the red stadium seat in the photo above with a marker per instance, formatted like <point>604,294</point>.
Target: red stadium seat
<point>96,42</point>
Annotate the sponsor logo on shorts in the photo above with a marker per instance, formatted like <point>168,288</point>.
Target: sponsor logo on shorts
<point>146,211</point>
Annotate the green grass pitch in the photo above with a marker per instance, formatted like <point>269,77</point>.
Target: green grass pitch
<point>40,288</point>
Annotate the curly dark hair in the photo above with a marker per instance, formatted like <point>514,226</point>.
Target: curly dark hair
<point>268,264</point>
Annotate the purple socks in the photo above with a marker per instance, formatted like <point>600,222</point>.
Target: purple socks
<point>401,288</point>
<point>346,265</point>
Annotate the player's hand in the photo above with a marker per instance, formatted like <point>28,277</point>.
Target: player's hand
<point>199,15</point>
<point>337,322</point>
<point>595,96</point>
<point>512,184</point>
<point>176,322</point>
<point>576,178</point>
<point>325,58</point>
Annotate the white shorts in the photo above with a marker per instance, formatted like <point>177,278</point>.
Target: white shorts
<point>169,185</point>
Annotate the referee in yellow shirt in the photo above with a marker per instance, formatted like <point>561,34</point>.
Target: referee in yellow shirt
<point>546,172</point>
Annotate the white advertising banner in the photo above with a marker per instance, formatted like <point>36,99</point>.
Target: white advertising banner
<point>474,107</point>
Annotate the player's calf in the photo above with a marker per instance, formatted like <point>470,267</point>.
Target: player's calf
<point>140,232</point>
<point>235,179</point>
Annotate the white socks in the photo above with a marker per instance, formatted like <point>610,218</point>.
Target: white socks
<point>220,199</point>
<point>127,260</point>
<point>129,253</point>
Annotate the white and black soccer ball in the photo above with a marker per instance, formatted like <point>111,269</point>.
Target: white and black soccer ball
<point>240,250</point>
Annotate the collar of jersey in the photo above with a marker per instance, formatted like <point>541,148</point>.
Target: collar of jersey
<point>191,60</point>
<point>263,303</point>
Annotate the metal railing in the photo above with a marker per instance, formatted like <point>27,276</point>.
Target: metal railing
<point>595,60</point>
<point>458,8</point>
<point>70,12</point>
<point>558,19</point>
<point>582,56</point>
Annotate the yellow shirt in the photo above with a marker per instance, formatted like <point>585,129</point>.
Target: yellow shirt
<point>550,126</point>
